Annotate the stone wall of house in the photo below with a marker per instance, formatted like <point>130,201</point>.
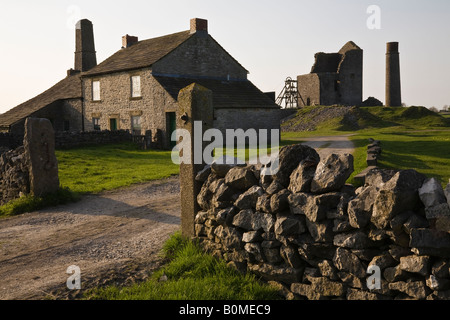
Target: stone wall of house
<point>318,238</point>
<point>65,115</point>
<point>254,118</point>
<point>116,102</point>
<point>200,56</point>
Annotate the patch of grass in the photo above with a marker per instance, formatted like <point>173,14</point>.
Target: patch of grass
<point>107,167</point>
<point>191,274</point>
<point>427,152</point>
<point>411,117</point>
<point>30,203</point>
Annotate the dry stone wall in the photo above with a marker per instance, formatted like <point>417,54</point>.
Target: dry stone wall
<point>319,238</point>
<point>67,140</point>
<point>14,176</point>
<point>31,168</point>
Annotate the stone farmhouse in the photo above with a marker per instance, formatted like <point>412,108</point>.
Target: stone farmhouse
<point>136,88</point>
<point>335,78</point>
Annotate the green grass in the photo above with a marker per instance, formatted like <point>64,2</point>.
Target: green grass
<point>29,203</point>
<point>107,167</point>
<point>427,152</point>
<point>191,274</point>
<point>412,138</point>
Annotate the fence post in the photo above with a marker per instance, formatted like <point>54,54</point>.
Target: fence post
<point>194,104</point>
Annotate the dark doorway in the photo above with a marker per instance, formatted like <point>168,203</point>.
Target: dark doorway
<point>113,124</point>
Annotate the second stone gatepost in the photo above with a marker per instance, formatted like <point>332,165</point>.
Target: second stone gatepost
<point>194,105</point>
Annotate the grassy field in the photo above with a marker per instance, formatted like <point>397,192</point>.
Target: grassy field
<point>190,274</point>
<point>412,138</point>
<point>94,169</point>
<point>426,151</point>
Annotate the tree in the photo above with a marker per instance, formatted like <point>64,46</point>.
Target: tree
<point>434,109</point>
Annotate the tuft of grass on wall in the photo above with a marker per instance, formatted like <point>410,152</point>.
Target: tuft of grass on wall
<point>191,274</point>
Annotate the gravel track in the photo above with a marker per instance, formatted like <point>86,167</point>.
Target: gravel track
<point>113,237</point>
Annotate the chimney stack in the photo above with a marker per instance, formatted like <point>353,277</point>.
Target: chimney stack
<point>85,55</point>
<point>393,87</point>
<point>199,25</point>
<point>128,41</point>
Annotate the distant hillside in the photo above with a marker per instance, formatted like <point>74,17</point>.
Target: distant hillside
<point>356,118</point>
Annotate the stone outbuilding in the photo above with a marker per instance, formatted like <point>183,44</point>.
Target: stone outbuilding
<point>335,78</point>
<point>136,88</point>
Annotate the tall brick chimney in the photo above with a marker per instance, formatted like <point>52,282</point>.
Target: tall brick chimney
<point>128,41</point>
<point>393,86</point>
<point>85,55</point>
<point>199,25</point>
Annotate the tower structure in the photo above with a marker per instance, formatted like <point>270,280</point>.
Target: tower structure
<point>85,55</point>
<point>393,86</point>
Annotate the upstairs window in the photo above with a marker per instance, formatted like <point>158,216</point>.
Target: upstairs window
<point>135,86</point>
<point>96,90</point>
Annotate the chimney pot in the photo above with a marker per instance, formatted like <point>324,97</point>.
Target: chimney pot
<point>128,41</point>
<point>198,24</point>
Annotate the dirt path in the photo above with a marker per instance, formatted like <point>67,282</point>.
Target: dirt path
<point>331,144</point>
<point>113,236</point>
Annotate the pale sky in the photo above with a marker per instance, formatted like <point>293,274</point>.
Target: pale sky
<point>271,39</point>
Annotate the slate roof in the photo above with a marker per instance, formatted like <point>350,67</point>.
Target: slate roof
<point>140,55</point>
<point>68,88</point>
<point>226,94</point>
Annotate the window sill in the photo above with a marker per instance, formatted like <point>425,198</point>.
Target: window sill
<point>96,101</point>
<point>135,98</point>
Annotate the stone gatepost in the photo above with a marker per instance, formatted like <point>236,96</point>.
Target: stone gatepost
<point>194,105</point>
<point>39,144</point>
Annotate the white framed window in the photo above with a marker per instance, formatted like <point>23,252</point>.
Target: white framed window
<point>135,86</point>
<point>96,90</point>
